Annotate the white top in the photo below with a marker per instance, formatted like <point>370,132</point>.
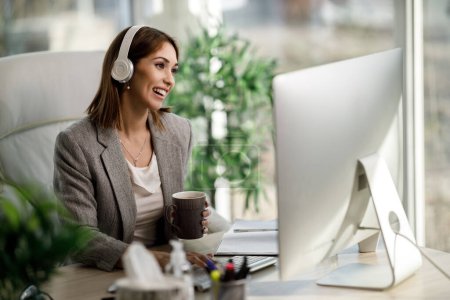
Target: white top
<point>147,191</point>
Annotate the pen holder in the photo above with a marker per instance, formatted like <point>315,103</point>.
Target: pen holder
<point>230,290</point>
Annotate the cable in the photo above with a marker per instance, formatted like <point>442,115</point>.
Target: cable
<point>418,248</point>
<point>426,256</point>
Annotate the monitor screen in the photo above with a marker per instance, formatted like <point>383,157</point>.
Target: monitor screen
<point>327,119</point>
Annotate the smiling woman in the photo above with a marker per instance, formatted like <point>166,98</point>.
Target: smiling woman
<point>117,169</point>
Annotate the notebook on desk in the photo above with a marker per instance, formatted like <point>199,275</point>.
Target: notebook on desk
<point>242,225</point>
<point>254,238</point>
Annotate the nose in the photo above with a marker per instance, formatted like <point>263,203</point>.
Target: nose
<point>169,79</point>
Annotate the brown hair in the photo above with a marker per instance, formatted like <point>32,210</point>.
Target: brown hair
<point>104,108</point>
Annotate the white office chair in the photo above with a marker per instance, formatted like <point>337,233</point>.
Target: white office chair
<point>41,94</point>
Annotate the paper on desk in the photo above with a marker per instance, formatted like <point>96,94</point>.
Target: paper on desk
<point>249,243</point>
<point>205,245</point>
<point>241,225</point>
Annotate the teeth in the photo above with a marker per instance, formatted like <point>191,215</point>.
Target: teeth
<point>160,91</point>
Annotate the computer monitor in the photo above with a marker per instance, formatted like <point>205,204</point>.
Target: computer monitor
<point>335,130</point>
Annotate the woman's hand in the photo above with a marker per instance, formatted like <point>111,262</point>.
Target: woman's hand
<point>198,259</point>
<point>162,257</point>
<point>194,258</point>
<point>205,214</point>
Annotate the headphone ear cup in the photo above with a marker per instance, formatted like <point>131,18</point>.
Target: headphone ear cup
<point>122,70</point>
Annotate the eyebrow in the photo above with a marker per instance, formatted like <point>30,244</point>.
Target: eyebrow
<point>165,59</point>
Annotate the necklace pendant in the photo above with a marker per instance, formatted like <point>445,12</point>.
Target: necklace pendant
<point>135,159</point>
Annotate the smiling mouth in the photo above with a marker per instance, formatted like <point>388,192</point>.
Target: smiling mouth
<point>161,92</point>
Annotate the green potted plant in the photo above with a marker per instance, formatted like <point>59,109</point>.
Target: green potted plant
<point>226,91</point>
<point>33,239</point>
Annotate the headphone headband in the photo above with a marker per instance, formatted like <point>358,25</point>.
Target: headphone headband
<point>123,68</point>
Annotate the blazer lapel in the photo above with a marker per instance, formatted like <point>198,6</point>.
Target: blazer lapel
<point>169,159</point>
<point>119,177</point>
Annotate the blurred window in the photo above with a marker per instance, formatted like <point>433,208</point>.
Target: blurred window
<point>303,33</point>
<point>437,123</point>
<point>29,26</point>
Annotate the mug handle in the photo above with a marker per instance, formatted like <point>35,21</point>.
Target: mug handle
<point>168,214</point>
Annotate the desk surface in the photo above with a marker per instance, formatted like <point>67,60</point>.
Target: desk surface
<point>77,282</point>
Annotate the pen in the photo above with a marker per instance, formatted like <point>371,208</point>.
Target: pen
<point>215,279</point>
<point>215,275</point>
<point>210,266</point>
<point>229,271</point>
<point>244,270</point>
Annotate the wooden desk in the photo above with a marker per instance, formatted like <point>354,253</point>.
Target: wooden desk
<point>76,282</point>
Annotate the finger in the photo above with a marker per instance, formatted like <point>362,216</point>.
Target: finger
<point>206,204</point>
<point>203,257</point>
<point>198,260</point>
<point>206,213</point>
<point>161,257</point>
<point>195,261</point>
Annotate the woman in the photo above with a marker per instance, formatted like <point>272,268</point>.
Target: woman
<point>116,169</point>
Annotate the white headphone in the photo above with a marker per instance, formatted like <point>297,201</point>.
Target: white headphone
<point>123,67</point>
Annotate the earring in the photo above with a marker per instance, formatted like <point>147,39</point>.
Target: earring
<point>128,87</point>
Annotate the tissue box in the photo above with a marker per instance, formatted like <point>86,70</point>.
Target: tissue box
<point>169,289</point>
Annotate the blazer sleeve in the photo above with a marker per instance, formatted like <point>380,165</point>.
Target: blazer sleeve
<point>73,183</point>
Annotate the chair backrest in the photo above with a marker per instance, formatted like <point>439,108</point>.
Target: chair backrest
<point>41,94</point>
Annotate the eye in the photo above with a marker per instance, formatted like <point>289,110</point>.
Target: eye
<point>175,70</point>
<point>159,65</point>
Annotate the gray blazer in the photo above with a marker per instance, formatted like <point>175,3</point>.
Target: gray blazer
<point>91,178</point>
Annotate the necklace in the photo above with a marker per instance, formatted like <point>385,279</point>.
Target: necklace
<point>135,159</point>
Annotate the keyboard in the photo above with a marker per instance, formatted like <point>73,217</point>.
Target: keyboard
<point>201,278</point>
<point>255,263</point>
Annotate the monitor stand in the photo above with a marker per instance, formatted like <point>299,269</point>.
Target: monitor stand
<point>403,257</point>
